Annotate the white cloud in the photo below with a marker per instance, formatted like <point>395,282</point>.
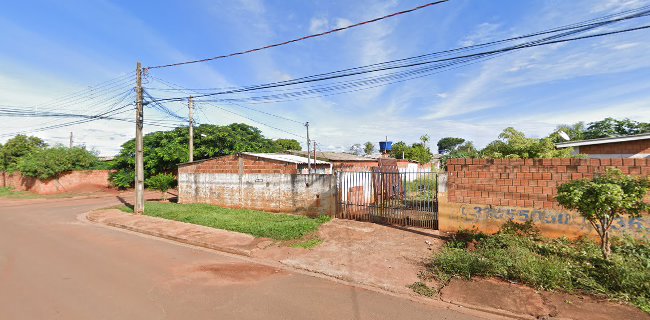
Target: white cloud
<point>318,25</point>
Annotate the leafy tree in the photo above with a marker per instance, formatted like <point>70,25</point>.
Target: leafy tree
<point>161,182</point>
<point>400,149</point>
<point>449,144</point>
<point>164,150</point>
<point>604,199</point>
<point>368,148</point>
<point>610,127</point>
<point>424,139</point>
<point>17,147</point>
<point>514,144</point>
<point>417,152</point>
<point>575,131</point>
<point>47,163</point>
<point>356,149</point>
<point>420,153</point>
<point>288,145</point>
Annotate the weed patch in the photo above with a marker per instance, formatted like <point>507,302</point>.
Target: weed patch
<point>518,253</point>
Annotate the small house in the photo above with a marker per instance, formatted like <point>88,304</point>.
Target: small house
<point>259,181</point>
<point>634,146</point>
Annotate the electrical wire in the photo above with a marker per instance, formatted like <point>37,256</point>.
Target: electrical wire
<point>301,38</point>
<point>464,58</point>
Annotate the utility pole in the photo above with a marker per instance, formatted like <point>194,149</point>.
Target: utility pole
<point>70,139</point>
<point>308,149</point>
<point>314,156</point>
<point>191,106</point>
<point>139,144</point>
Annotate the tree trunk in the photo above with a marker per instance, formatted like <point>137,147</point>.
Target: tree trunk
<point>605,246</point>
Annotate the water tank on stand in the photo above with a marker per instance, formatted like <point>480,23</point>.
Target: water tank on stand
<point>385,146</point>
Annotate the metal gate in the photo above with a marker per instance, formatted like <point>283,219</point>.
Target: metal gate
<point>399,198</point>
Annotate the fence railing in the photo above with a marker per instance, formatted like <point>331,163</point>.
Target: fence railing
<point>406,198</point>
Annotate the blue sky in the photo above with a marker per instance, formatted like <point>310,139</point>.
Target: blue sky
<point>49,49</point>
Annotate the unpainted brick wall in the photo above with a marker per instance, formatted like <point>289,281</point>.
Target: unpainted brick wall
<point>74,181</point>
<point>529,183</point>
<point>241,164</point>
<point>628,147</point>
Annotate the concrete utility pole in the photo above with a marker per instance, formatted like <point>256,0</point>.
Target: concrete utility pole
<point>191,107</point>
<point>308,149</point>
<point>314,156</point>
<point>139,144</point>
<point>71,139</point>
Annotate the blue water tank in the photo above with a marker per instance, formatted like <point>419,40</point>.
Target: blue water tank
<point>385,146</point>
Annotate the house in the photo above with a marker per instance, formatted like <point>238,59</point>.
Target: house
<point>634,146</point>
<point>342,161</point>
<point>259,181</point>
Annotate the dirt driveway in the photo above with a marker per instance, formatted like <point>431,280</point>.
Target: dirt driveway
<point>387,257</point>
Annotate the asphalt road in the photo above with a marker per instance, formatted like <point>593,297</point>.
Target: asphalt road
<point>54,265</point>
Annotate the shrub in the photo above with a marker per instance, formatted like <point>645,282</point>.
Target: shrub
<point>161,182</point>
<point>48,163</point>
<point>605,198</point>
<point>122,179</point>
<point>518,253</point>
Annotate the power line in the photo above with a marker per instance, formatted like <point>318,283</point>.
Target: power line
<point>419,60</point>
<point>441,63</point>
<point>257,121</point>
<point>240,115</point>
<point>190,91</point>
<point>301,38</point>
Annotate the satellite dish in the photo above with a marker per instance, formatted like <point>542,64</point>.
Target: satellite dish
<point>564,135</point>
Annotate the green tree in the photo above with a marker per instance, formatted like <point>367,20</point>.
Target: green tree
<point>17,147</point>
<point>604,199</point>
<point>419,153</point>
<point>164,150</point>
<point>48,163</point>
<point>400,149</point>
<point>513,144</point>
<point>288,145</point>
<point>161,182</point>
<point>424,140</point>
<point>610,127</point>
<point>368,148</point>
<point>575,131</point>
<point>449,144</point>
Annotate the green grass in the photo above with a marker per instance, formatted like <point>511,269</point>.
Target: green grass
<point>7,192</point>
<point>519,254</point>
<point>422,289</point>
<point>257,223</point>
<point>309,244</point>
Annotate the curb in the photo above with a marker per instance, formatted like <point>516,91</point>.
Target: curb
<point>242,252</point>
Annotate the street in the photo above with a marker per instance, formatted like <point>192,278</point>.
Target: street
<point>55,265</point>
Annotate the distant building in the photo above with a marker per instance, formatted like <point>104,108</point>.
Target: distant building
<point>342,161</point>
<point>634,146</point>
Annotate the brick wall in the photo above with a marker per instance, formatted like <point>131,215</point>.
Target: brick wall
<point>526,183</point>
<point>74,181</point>
<point>244,164</point>
<point>485,193</point>
<point>256,183</point>
<point>628,147</point>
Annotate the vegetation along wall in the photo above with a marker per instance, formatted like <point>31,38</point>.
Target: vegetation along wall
<point>484,193</point>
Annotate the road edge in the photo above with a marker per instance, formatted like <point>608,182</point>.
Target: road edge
<point>474,310</point>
